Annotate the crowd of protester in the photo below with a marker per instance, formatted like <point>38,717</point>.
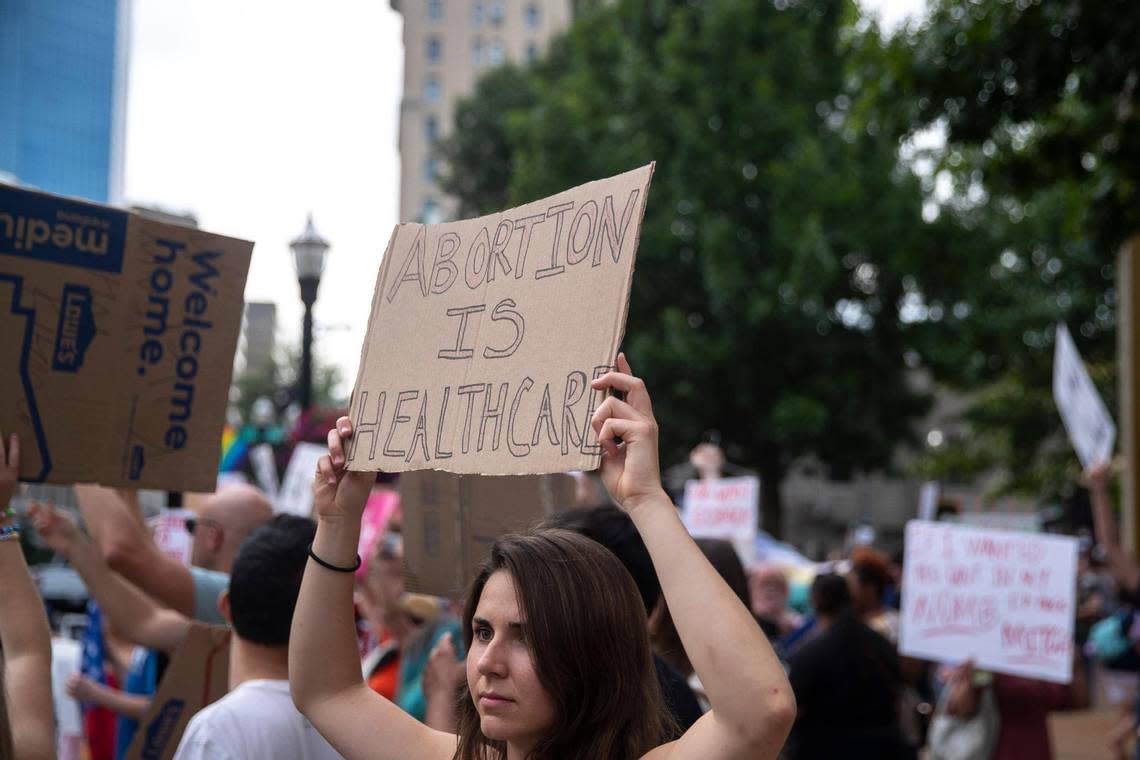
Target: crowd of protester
<point>603,632</point>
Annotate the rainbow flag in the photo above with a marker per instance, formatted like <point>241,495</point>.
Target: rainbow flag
<point>235,448</point>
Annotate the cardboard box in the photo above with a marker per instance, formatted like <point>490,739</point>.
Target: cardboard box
<point>450,522</point>
<point>117,338</point>
<point>197,676</point>
<point>485,334</point>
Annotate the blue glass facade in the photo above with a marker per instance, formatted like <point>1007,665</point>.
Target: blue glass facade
<point>57,94</point>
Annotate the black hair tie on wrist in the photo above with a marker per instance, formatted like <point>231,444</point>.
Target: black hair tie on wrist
<point>331,566</point>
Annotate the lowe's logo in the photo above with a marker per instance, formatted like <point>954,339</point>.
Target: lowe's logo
<point>76,329</point>
<point>65,232</point>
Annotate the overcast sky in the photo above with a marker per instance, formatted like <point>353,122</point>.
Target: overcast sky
<point>251,114</point>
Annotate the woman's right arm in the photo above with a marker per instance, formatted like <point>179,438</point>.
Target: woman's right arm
<point>753,707</point>
<point>324,665</point>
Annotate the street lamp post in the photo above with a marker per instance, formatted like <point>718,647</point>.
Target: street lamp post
<point>309,258</point>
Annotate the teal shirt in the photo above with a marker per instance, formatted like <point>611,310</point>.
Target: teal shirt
<point>413,660</point>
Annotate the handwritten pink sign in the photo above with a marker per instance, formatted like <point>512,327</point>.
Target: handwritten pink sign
<point>724,508</point>
<point>1005,599</point>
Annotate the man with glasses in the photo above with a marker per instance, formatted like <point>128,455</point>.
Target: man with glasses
<point>219,527</point>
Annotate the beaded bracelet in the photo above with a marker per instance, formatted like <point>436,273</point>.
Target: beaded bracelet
<point>9,533</point>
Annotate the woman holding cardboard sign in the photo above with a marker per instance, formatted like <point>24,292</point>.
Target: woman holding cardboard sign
<point>559,662</point>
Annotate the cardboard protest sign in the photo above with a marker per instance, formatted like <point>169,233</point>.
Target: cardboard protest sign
<point>197,676</point>
<point>117,337</point>
<point>1088,423</point>
<point>485,334</point>
<point>450,522</point>
<point>726,508</point>
<point>1006,600</point>
<point>296,494</point>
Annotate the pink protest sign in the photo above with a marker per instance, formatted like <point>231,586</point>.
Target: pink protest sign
<point>378,510</point>
<point>724,508</point>
<point>1004,599</point>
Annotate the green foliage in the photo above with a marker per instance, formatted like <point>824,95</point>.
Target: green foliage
<point>1039,102</point>
<point>778,231</point>
<point>279,385</point>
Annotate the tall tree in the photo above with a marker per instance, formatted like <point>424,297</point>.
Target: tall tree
<point>766,302</point>
<point>1038,100</point>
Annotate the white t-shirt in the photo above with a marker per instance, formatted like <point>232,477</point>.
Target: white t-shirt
<point>255,720</point>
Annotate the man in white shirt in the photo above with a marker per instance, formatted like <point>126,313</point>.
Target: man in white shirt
<point>257,718</point>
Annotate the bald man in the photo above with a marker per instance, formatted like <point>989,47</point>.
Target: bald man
<point>221,524</point>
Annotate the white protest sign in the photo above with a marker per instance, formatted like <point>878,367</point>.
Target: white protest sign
<point>170,534</point>
<point>928,500</point>
<point>265,468</point>
<point>1005,600</point>
<point>725,508</point>
<point>1088,423</point>
<point>296,494</point>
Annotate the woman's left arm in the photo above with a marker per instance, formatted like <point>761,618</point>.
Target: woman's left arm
<point>753,707</point>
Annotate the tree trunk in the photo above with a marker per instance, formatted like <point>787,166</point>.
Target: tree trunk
<point>771,510</point>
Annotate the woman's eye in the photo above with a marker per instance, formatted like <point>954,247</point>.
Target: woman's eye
<point>483,634</point>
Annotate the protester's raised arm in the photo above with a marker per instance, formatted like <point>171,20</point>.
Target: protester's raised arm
<point>24,633</point>
<point>1122,566</point>
<point>127,609</point>
<point>116,525</point>
<point>324,664</point>
<point>752,703</point>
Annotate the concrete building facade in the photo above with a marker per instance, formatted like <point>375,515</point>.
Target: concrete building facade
<point>448,44</point>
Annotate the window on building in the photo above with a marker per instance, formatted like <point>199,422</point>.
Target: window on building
<point>431,170</point>
<point>531,52</point>
<point>431,128</point>
<point>495,53</point>
<point>477,52</point>
<point>435,10</point>
<point>432,91</point>
<point>434,49</point>
<point>531,15</point>
<point>498,13</point>
<point>430,213</point>
<point>477,12</point>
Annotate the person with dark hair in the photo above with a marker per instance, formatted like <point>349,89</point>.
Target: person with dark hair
<point>614,529</point>
<point>847,682</point>
<point>27,722</point>
<point>257,718</point>
<point>558,663</point>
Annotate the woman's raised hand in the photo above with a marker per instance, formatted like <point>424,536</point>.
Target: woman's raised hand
<point>337,492</point>
<point>629,469</point>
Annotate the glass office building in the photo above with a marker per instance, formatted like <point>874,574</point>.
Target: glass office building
<point>63,82</point>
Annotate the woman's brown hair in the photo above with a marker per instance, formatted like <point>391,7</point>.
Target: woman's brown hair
<point>585,626</point>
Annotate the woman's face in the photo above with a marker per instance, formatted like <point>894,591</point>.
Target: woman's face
<point>512,704</point>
